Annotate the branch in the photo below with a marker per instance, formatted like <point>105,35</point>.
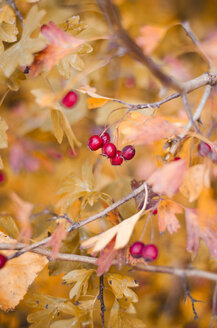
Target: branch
<point>99,215</point>
<point>111,13</point>
<point>140,267</point>
<point>192,299</point>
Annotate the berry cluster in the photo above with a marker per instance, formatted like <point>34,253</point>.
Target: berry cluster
<point>149,252</point>
<point>109,149</point>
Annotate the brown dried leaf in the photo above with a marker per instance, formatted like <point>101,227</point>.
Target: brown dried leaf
<point>17,275</point>
<point>166,216</point>
<point>8,29</point>
<point>106,258</point>
<point>143,130</point>
<point>195,178</point>
<point>167,179</point>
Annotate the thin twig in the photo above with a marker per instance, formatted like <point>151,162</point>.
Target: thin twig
<point>196,116</point>
<point>18,13</point>
<point>101,299</point>
<point>188,111</point>
<point>110,208</point>
<point>188,295</point>
<point>191,35</point>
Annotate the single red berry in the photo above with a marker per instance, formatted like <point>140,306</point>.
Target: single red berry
<point>155,211</point>
<point>109,150</point>
<point>150,252</point>
<point>176,158</point>
<point>95,142</point>
<point>118,159</point>
<point>3,260</point>
<point>70,99</point>
<point>2,177</point>
<point>105,138</point>
<point>136,249</point>
<point>128,152</point>
<point>204,149</point>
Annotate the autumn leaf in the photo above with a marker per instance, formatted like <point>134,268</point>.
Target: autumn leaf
<point>21,53</point>
<point>122,232</point>
<point>58,235</point>
<point>201,223</point>
<point>195,178</point>
<point>22,212</point>
<point>141,129</point>
<point>8,29</point>
<point>80,280</point>
<point>120,286</point>
<point>149,37</point>
<point>167,179</point>
<point>60,45</point>
<point>12,288</point>
<point>75,188</point>
<point>107,255</point>
<point>96,100</point>
<point>113,216</point>
<point>166,216</point>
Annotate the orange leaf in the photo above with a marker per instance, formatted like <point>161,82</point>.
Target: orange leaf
<point>17,275</point>
<point>106,257</point>
<point>56,239</point>
<point>167,179</point>
<point>112,216</point>
<point>60,45</point>
<point>96,102</point>
<point>166,216</point>
<point>142,129</point>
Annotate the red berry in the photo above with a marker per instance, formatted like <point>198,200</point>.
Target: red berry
<point>2,177</point>
<point>118,159</point>
<point>105,138</point>
<point>128,152</point>
<point>109,150</point>
<point>204,149</point>
<point>70,99</point>
<point>136,249</point>
<point>3,260</point>
<point>176,158</point>
<point>150,252</point>
<point>155,211</point>
<point>95,142</point>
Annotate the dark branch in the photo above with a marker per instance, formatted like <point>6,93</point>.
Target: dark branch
<point>101,299</point>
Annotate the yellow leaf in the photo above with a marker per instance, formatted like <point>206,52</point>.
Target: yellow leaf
<point>195,178</point>
<point>23,51</point>
<point>122,232</point>
<point>17,275</point>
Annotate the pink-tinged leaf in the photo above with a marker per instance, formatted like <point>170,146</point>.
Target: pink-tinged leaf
<point>60,45</point>
<point>193,231</point>
<point>167,179</point>
<point>149,37</point>
<point>143,130</point>
<point>167,219</point>
<point>106,257</point>
<point>56,239</point>
<point>22,211</point>
<point>201,226</point>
